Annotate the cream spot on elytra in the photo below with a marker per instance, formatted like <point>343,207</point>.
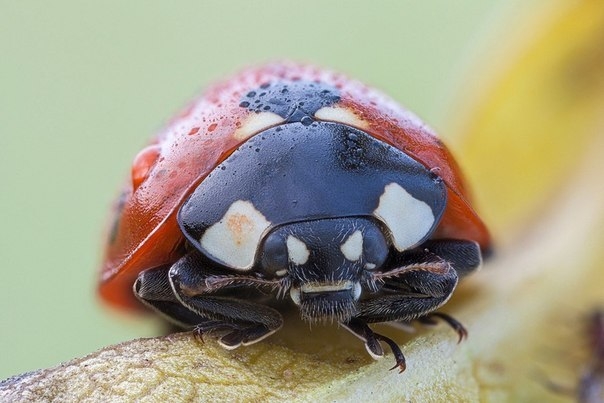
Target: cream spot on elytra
<point>255,123</point>
<point>341,115</point>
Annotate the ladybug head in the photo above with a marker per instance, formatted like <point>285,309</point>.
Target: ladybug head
<point>325,262</point>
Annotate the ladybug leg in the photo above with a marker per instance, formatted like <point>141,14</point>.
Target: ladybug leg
<point>205,295</point>
<point>431,320</point>
<point>418,283</point>
<point>464,256</point>
<point>421,280</point>
<point>372,339</point>
<point>152,287</point>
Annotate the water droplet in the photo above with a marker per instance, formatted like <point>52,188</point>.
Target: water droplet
<point>306,120</point>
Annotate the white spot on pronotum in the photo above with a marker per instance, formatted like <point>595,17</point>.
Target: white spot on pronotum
<point>255,123</point>
<point>297,251</point>
<point>408,218</point>
<point>340,115</point>
<point>352,248</point>
<point>235,238</point>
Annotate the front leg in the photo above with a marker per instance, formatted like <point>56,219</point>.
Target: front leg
<point>152,287</point>
<point>420,280</point>
<point>372,339</point>
<point>190,295</point>
<point>243,322</point>
<point>419,283</point>
<point>464,256</point>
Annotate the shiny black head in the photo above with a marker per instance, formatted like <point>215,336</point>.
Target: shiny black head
<point>325,262</point>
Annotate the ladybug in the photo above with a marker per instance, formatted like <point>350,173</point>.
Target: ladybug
<point>292,184</point>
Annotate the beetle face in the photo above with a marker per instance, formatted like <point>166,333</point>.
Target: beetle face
<point>325,262</point>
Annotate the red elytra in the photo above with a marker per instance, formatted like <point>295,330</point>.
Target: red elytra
<point>144,232</point>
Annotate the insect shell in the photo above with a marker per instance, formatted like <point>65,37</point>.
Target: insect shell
<point>299,182</point>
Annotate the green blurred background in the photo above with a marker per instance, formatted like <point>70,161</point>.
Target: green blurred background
<point>84,84</point>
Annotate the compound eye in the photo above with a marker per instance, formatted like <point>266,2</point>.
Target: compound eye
<point>375,248</point>
<point>274,258</point>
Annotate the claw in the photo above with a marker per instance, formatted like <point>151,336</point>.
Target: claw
<point>457,326</point>
<point>198,335</point>
<point>401,364</point>
<point>372,339</point>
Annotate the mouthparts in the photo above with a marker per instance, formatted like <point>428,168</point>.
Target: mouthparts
<point>327,302</point>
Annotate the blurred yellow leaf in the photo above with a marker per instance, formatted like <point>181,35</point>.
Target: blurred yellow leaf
<point>532,110</point>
